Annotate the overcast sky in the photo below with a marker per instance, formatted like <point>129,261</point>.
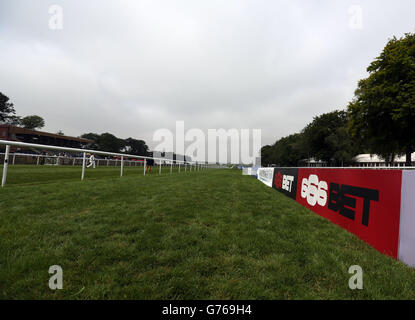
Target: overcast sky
<point>132,67</point>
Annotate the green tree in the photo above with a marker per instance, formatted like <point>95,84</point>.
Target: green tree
<point>136,147</point>
<point>382,113</point>
<point>14,120</point>
<point>7,112</point>
<point>286,152</point>
<point>105,142</point>
<point>33,122</point>
<point>267,156</point>
<point>289,151</point>
<point>326,138</point>
<point>94,137</point>
<point>109,142</point>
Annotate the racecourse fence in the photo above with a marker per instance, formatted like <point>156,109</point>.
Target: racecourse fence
<point>40,159</point>
<point>121,160</point>
<point>375,204</point>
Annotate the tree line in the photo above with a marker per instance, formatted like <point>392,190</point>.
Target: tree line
<point>8,116</point>
<point>110,143</point>
<point>380,119</point>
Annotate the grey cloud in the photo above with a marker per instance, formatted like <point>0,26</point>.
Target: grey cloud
<point>132,67</point>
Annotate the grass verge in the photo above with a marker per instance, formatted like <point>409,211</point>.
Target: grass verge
<point>200,235</point>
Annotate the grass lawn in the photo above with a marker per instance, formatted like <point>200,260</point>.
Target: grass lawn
<point>197,235</point>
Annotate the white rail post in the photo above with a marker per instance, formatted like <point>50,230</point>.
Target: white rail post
<point>179,167</point>
<point>83,166</point>
<point>122,165</point>
<point>6,164</point>
<point>73,162</point>
<point>37,161</point>
<point>14,157</point>
<point>159,166</point>
<point>145,165</point>
<point>171,166</point>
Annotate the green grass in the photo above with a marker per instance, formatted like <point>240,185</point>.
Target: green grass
<point>26,174</point>
<point>200,235</point>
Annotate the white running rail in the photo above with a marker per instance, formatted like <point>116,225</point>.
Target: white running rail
<point>192,165</point>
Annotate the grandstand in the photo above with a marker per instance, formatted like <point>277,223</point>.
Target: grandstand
<point>13,133</point>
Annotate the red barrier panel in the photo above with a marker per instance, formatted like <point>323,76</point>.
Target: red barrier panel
<point>364,202</point>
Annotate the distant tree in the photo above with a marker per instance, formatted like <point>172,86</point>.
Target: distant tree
<point>136,147</point>
<point>105,142</point>
<point>109,142</point>
<point>60,132</point>
<point>7,111</point>
<point>94,137</point>
<point>33,122</point>
<point>343,147</point>
<point>286,152</point>
<point>382,114</point>
<point>326,138</point>
<point>267,155</point>
<point>14,121</point>
<point>289,151</point>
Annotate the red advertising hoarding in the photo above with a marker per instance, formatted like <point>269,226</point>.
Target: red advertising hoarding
<point>364,202</point>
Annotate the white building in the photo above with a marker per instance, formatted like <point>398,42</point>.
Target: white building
<point>368,160</point>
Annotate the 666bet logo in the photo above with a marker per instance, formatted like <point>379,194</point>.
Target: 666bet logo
<point>339,198</point>
<point>314,191</point>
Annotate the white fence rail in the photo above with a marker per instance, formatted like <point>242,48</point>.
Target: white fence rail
<point>179,163</point>
<point>40,159</point>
